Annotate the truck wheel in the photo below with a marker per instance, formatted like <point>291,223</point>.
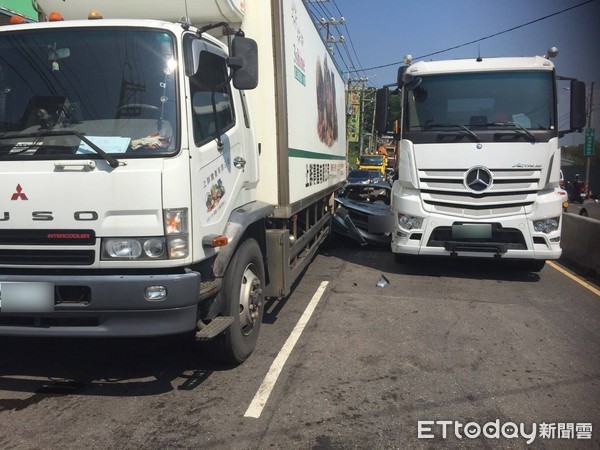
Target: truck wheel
<point>243,293</point>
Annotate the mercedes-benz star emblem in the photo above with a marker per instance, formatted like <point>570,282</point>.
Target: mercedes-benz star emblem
<point>478,179</point>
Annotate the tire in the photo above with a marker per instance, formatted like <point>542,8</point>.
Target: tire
<point>243,294</point>
<point>583,212</point>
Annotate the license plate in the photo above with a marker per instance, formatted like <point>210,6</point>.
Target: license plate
<point>381,224</point>
<point>26,297</point>
<point>472,231</point>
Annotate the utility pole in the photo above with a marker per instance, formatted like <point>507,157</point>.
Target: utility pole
<point>373,137</point>
<point>330,38</point>
<point>588,160</point>
<point>362,110</point>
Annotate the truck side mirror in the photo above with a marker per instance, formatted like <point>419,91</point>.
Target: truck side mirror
<point>400,76</point>
<point>578,116</point>
<point>381,110</point>
<point>244,62</point>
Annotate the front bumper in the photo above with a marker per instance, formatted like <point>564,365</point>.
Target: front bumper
<point>345,226</point>
<point>106,306</point>
<point>512,237</point>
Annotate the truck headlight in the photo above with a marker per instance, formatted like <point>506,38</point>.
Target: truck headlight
<point>178,247</point>
<point>175,221</point>
<point>176,229</point>
<point>123,248</point>
<point>174,245</point>
<point>154,248</point>
<point>546,225</point>
<point>134,248</point>
<point>410,222</point>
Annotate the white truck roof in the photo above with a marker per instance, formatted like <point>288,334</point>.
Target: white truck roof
<point>485,65</point>
<point>198,11</point>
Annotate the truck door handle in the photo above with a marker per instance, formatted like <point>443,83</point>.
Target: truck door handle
<point>239,162</point>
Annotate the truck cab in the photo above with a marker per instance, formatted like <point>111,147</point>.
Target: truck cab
<point>479,160</point>
<point>373,162</point>
<point>151,185</point>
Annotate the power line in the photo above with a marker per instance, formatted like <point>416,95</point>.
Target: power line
<point>349,37</point>
<point>319,11</point>
<point>486,37</point>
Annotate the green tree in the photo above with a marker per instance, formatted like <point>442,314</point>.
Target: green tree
<point>353,153</point>
<point>575,153</point>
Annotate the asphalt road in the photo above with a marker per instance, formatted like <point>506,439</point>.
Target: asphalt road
<point>445,340</point>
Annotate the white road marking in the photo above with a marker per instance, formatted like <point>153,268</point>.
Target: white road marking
<point>264,391</point>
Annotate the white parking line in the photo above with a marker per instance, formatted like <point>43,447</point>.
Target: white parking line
<point>264,391</point>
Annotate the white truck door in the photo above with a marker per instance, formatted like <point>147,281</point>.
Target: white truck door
<point>216,143</point>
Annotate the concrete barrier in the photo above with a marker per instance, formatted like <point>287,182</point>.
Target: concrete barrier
<point>580,242</point>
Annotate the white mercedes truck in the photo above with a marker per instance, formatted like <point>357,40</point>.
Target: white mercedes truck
<point>164,166</point>
<point>478,158</point>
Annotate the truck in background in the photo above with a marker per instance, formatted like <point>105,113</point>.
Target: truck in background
<point>150,183</point>
<point>478,158</point>
<point>373,162</point>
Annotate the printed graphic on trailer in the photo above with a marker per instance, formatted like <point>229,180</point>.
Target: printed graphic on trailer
<point>327,114</point>
<point>217,180</point>
<point>316,106</point>
<point>320,173</point>
<point>316,85</point>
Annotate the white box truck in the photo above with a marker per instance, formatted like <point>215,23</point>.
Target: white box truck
<point>150,182</point>
<point>479,158</point>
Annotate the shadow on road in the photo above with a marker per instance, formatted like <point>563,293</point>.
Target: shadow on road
<point>113,367</point>
<point>382,259</point>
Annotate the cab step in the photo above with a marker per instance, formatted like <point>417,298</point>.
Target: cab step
<point>214,328</point>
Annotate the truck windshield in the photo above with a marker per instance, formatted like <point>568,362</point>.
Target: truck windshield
<point>374,160</point>
<point>115,87</point>
<point>486,106</point>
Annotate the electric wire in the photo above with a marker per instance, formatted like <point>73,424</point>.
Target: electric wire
<point>343,57</point>
<point>485,37</point>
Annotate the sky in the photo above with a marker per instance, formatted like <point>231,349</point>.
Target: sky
<point>381,32</point>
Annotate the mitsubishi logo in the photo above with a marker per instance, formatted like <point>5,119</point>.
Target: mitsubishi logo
<point>478,179</point>
<point>19,194</point>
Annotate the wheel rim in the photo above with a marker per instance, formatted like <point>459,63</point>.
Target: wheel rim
<point>250,299</point>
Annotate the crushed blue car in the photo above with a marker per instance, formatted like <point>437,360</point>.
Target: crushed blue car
<point>362,212</point>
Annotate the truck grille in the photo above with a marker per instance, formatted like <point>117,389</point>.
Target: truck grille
<point>47,257</point>
<point>51,256</point>
<point>47,237</point>
<point>512,190</point>
<point>509,238</point>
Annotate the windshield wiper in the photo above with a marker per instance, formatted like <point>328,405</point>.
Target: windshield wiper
<point>451,125</point>
<point>518,127</point>
<point>112,161</point>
